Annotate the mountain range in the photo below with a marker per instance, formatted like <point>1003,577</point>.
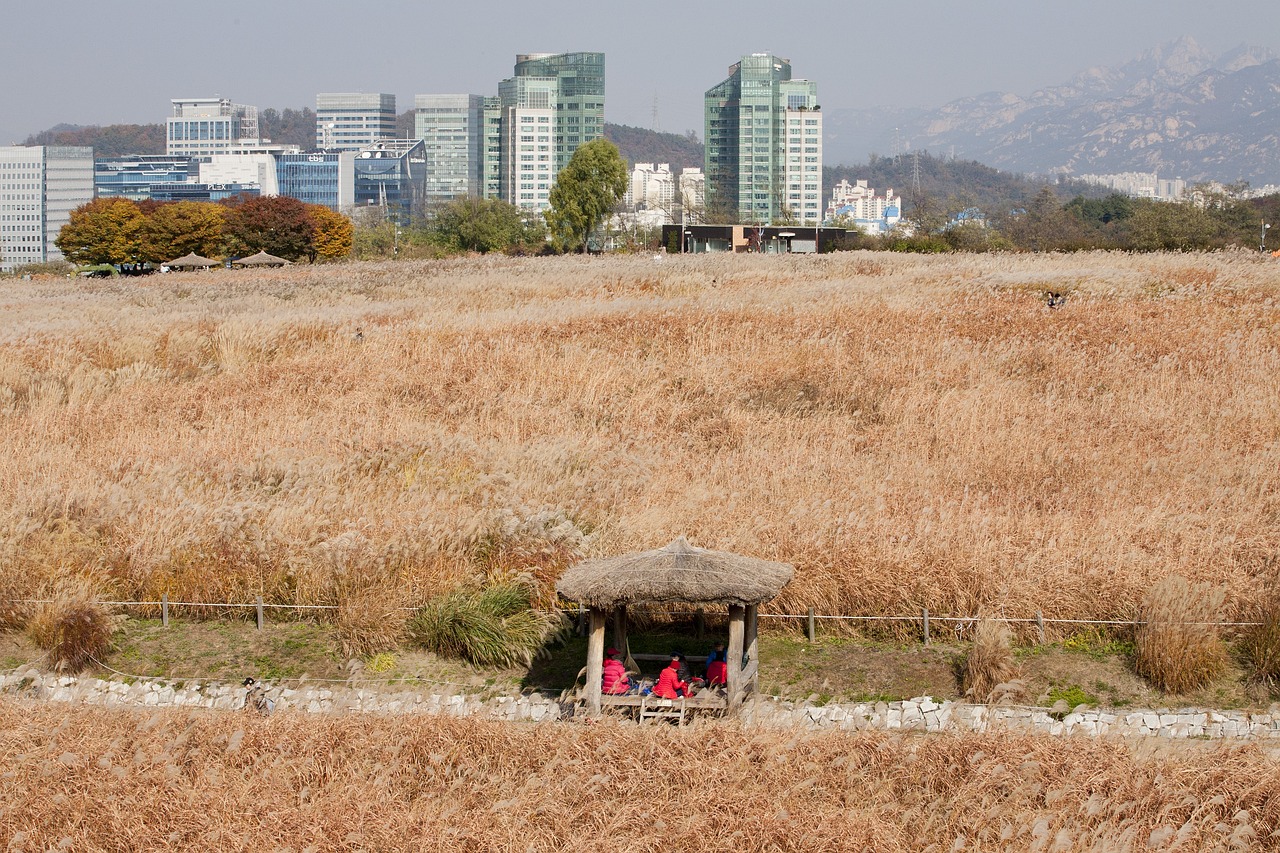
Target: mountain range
<point>1177,110</point>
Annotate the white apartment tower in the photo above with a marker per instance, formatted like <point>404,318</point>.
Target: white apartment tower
<point>39,187</point>
<point>349,121</point>
<point>652,188</point>
<point>693,195</point>
<point>204,126</point>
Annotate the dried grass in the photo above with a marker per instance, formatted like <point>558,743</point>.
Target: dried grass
<point>74,627</point>
<point>1261,642</point>
<point>97,779</point>
<point>990,667</point>
<point>1176,648</point>
<point>906,431</point>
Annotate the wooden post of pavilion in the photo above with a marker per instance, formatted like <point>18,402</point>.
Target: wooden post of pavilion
<point>595,660</point>
<point>751,675</point>
<point>733,686</point>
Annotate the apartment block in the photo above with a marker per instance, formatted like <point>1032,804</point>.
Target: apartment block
<point>764,144</point>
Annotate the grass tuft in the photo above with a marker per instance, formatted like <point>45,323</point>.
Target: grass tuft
<point>990,666</point>
<point>74,627</point>
<point>495,626</point>
<point>1174,647</point>
<point>1261,644</point>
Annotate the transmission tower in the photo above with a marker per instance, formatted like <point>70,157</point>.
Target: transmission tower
<point>915,172</point>
<point>655,114</point>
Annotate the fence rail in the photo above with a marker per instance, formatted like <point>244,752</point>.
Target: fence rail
<point>924,617</point>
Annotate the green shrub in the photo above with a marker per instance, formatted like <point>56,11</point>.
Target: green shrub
<point>1177,648</point>
<point>494,626</point>
<point>74,627</point>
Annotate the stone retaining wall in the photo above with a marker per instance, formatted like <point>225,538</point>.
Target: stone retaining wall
<point>921,714</point>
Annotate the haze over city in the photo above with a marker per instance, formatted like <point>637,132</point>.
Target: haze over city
<point>85,63</point>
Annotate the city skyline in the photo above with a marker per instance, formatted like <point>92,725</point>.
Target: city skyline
<point>283,55</point>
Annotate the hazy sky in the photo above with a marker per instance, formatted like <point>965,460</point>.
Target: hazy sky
<point>89,62</point>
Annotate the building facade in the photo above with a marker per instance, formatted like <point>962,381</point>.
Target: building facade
<point>764,144</point>
<point>133,177</point>
<point>39,187</point>
<point>349,121</point>
<point>392,175</point>
<point>451,128</point>
<point>693,195</point>
<point>325,177</point>
<point>205,126</point>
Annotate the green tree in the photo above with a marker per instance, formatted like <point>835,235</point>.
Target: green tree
<point>483,225</point>
<point>1171,226</point>
<point>332,234</point>
<point>279,225</point>
<point>104,231</point>
<point>1044,226</point>
<point>174,230</point>
<point>585,193</point>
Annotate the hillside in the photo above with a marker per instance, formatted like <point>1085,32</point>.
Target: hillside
<point>286,127</point>
<point>639,145</point>
<point>1176,110</point>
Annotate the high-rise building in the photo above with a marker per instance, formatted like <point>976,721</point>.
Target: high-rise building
<point>349,121</point>
<point>764,144</point>
<point>553,104</point>
<point>451,128</point>
<point>39,187</point>
<point>693,195</point>
<point>201,126</point>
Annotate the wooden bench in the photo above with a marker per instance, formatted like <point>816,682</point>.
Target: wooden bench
<point>654,707</point>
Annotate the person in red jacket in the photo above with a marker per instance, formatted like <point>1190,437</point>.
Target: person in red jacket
<point>669,685</point>
<point>614,681</point>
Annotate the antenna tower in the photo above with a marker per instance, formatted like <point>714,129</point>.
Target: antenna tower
<point>655,114</point>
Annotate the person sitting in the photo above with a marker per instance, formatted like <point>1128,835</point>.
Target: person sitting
<point>615,681</point>
<point>669,685</point>
<point>718,667</point>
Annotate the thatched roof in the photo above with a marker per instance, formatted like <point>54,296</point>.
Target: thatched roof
<point>677,573</point>
<point>192,260</point>
<point>262,259</point>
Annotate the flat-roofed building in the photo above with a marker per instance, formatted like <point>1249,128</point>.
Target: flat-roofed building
<point>451,128</point>
<point>39,187</point>
<point>205,126</point>
<point>349,121</point>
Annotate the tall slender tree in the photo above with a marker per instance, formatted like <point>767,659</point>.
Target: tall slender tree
<point>586,191</point>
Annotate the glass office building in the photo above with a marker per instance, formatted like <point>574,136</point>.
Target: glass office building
<point>349,121</point>
<point>392,175</point>
<point>133,177</point>
<point>451,128</point>
<point>326,178</point>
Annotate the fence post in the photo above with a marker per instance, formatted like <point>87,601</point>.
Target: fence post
<point>1040,625</point>
<point>700,623</point>
<point>813,627</point>
<point>164,610</point>
<point>258,607</point>
<point>926,626</point>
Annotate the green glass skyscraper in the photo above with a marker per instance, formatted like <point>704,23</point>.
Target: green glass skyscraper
<point>764,145</point>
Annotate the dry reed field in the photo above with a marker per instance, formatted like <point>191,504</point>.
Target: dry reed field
<point>93,779</point>
<point>907,430</point>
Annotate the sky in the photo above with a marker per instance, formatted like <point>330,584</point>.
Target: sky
<point>89,62</point>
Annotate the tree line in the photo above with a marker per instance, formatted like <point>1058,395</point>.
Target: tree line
<point>121,231</point>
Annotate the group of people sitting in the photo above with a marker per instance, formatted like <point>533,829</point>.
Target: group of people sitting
<point>675,680</point>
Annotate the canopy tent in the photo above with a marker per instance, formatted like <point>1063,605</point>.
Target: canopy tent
<point>192,261</point>
<point>676,574</point>
<point>262,259</point>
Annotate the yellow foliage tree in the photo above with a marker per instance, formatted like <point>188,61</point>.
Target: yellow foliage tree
<point>174,230</point>
<point>104,231</point>
<point>333,234</point>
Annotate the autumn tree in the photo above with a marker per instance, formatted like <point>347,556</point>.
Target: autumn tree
<point>279,225</point>
<point>104,231</point>
<point>585,192</point>
<point>177,229</point>
<point>332,235</point>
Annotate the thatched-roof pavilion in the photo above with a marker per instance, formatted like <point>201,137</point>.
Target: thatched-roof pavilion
<point>192,261</point>
<point>261,259</point>
<point>676,574</point>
